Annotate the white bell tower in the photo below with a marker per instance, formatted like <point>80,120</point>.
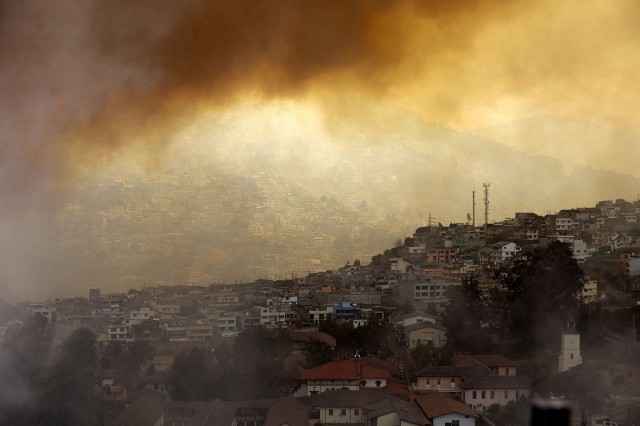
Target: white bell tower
<point>570,350</point>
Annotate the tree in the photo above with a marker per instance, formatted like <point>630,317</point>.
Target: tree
<point>317,353</point>
<point>23,361</point>
<point>545,288</point>
<point>66,392</point>
<point>258,363</point>
<point>195,376</point>
<point>463,317</point>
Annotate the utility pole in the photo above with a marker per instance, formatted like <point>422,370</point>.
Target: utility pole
<point>486,206</point>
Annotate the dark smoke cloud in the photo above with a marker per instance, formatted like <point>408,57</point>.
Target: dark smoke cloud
<point>199,54</point>
<point>83,79</point>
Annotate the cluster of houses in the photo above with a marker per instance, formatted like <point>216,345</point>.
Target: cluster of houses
<point>413,278</point>
<point>358,392</point>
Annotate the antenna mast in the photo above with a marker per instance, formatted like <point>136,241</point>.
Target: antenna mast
<point>474,208</point>
<point>486,206</point>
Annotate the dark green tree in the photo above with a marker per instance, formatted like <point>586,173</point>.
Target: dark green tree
<point>545,287</point>
<point>23,362</point>
<point>66,391</point>
<point>463,317</point>
<point>317,353</point>
<point>258,363</point>
<point>195,376</point>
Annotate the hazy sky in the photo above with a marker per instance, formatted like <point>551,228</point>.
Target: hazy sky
<point>89,79</point>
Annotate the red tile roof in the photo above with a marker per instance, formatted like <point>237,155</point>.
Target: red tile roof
<point>344,370</point>
<point>435,404</point>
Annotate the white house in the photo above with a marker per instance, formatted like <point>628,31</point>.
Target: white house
<point>502,251</point>
<point>445,411</point>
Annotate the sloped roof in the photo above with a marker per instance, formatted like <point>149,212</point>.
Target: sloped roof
<point>289,410</point>
<point>492,381</point>
<point>398,388</point>
<point>408,412</point>
<point>217,412</point>
<point>414,314</point>
<point>145,410</point>
<point>345,398</point>
<point>222,413</point>
<point>488,360</point>
<point>442,371</point>
<point>435,404</point>
<point>344,370</point>
<point>421,325</point>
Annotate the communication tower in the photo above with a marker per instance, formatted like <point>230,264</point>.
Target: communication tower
<point>486,205</point>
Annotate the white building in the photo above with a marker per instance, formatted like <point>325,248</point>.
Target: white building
<point>570,350</point>
<point>581,250</point>
<point>319,315</point>
<point>502,251</point>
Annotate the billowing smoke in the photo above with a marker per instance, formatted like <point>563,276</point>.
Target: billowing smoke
<point>82,80</point>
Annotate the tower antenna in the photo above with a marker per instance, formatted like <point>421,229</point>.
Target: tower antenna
<point>474,208</point>
<point>486,206</point>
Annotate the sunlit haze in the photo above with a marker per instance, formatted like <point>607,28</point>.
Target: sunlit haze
<point>199,142</point>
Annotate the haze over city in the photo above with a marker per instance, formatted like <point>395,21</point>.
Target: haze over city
<point>245,123</point>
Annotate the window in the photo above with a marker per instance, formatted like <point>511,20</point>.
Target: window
<point>571,356</point>
<point>455,422</point>
<point>493,395</point>
<point>484,394</point>
<point>506,394</point>
<point>506,371</point>
<point>439,382</point>
<point>428,382</point>
<point>331,411</point>
<point>474,395</point>
<point>343,412</point>
<point>356,412</point>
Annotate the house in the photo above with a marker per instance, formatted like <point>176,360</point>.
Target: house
<point>395,411</point>
<point>288,411</point>
<point>426,333</point>
<point>589,292</point>
<point>319,315</point>
<point>160,381</point>
<point>405,320</point>
<point>497,364</point>
<point>441,378</point>
<point>342,375</point>
<point>442,410</point>
<point>478,380</point>
<point>480,391</point>
<point>441,255</point>
<point>503,251</point>
<point>146,408</point>
<point>365,408</point>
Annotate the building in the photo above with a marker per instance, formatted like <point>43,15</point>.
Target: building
<point>570,349</point>
<point>342,375</point>
<point>478,380</point>
<point>444,411</point>
<point>426,333</point>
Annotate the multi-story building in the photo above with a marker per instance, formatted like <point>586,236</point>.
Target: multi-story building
<point>441,255</point>
<point>589,292</point>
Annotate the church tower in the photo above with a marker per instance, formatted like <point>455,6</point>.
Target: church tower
<point>570,351</point>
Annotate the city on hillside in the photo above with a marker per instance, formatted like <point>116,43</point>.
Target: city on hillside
<point>466,324</point>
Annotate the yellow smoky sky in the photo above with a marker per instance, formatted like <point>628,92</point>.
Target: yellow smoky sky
<point>119,71</point>
<point>86,79</point>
